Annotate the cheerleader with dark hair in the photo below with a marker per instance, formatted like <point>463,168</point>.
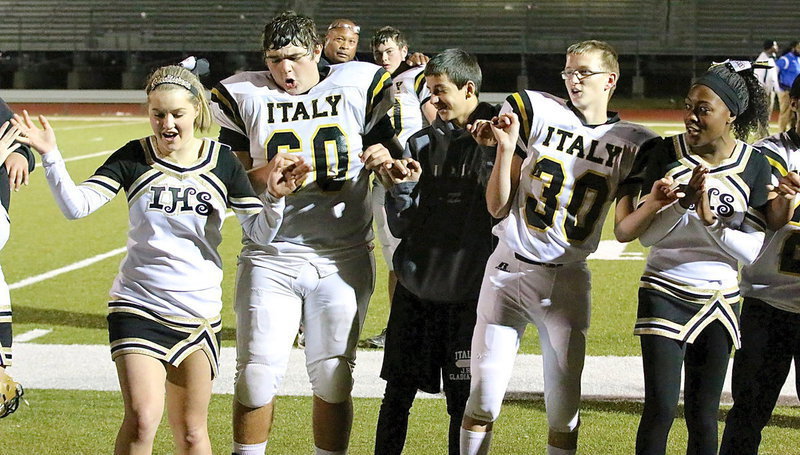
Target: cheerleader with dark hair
<point>702,218</point>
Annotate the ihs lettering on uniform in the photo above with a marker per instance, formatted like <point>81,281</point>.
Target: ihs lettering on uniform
<point>183,259</point>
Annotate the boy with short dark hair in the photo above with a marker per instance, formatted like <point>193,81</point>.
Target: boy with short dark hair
<point>438,210</point>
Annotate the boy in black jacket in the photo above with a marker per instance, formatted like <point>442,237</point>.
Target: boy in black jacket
<point>438,210</point>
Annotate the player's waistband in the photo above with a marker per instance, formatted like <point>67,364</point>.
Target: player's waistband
<point>531,261</point>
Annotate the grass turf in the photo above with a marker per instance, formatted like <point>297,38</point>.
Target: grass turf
<point>81,422</point>
<point>73,306</point>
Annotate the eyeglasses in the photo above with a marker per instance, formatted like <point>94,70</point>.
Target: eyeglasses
<point>582,74</point>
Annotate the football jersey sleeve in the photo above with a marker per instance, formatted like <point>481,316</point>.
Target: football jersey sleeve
<point>520,104</point>
<point>762,176</point>
<point>775,158</point>
<point>226,111</point>
<point>423,93</point>
<point>379,99</point>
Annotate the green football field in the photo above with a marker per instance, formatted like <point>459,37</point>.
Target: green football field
<point>60,272</point>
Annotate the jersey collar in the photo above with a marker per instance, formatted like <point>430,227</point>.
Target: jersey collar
<point>611,116</point>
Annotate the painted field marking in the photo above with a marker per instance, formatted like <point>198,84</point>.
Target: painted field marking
<point>611,250</point>
<point>67,268</point>
<point>90,155</point>
<point>98,118</point>
<point>31,335</point>
<point>96,125</point>
<point>74,266</point>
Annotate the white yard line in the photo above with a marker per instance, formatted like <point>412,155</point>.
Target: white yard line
<point>31,335</point>
<point>90,155</point>
<point>611,250</point>
<point>89,367</point>
<point>74,266</point>
<point>98,125</point>
<point>68,268</point>
<point>98,118</point>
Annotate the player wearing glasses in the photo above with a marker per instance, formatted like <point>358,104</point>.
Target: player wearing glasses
<point>559,165</point>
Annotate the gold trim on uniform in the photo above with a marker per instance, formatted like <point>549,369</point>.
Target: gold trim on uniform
<point>102,185</point>
<point>201,336</point>
<point>714,305</point>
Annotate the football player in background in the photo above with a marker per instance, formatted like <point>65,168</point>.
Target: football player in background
<point>768,77</point>
<point>702,216</point>
<point>164,316</point>
<point>771,307</point>
<point>18,162</point>
<point>559,165</point>
<point>410,111</point>
<point>320,268</point>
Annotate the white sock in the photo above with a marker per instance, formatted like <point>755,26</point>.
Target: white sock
<point>559,451</point>
<point>249,449</point>
<point>318,451</point>
<point>474,442</point>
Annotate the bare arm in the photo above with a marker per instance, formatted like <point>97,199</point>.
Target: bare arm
<point>504,179</point>
<point>630,224</point>
<point>781,206</point>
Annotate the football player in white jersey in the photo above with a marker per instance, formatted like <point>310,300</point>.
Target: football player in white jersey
<point>771,306</point>
<point>320,268</point>
<point>703,217</point>
<point>164,316</point>
<point>559,165</point>
<point>410,111</point>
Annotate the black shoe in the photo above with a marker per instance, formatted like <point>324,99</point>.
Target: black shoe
<point>376,342</point>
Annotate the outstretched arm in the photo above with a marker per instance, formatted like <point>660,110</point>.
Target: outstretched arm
<point>74,201</point>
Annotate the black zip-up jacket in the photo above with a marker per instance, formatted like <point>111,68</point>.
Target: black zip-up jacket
<point>442,220</point>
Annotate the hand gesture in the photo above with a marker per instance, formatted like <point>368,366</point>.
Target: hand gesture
<point>403,170</point>
<point>283,175</point>
<point>8,135</point>
<point>703,209</point>
<point>506,131</point>
<point>43,140</point>
<point>696,186</point>
<point>482,132</point>
<point>788,186</point>
<point>376,156</point>
<point>664,192</point>
<point>417,59</point>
